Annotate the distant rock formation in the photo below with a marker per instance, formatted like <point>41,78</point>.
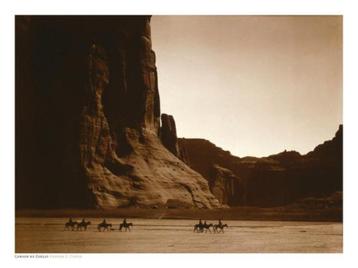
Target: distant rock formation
<point>88,118</point>
<point>224,185</point>
<point>275,180</point>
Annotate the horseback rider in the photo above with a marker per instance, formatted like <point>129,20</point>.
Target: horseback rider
<point>70,220</point>
<point>104,221</point>
<point>124,221</point>
<point>83,220</point>
<point>220,223</point>
<point>200,222</point>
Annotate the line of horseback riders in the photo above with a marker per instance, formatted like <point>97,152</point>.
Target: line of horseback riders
<point>204,227</point>
<point>103,226</point>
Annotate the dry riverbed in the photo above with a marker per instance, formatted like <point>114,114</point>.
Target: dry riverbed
<point>47,235</point>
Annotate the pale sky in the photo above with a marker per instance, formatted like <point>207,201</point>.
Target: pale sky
<point>253,85</point>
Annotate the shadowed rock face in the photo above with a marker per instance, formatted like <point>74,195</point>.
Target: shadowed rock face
<point>269,181</point>
<point>224,185</point>
<point>88,118</point>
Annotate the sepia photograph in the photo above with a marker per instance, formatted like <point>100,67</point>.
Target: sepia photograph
<point>178,134</point>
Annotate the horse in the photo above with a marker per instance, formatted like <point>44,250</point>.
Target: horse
<point>104,226</point>
<point>199,227</point>
<point>219,226</point>
<point>71,224</point>
<point>206,227</point>
<point>126,226</point>
<point>83,225</point>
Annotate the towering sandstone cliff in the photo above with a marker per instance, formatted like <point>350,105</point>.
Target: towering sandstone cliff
<point>88,118</point>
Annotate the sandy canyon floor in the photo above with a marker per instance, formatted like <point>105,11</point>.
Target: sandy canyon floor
<point>47,235</point>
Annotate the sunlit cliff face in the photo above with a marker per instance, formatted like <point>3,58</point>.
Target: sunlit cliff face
<point>254,85</point>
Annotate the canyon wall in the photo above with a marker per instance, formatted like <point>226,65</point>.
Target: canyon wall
<point>275,180</point>
<point>88,118</point>
<point>90,133</point>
